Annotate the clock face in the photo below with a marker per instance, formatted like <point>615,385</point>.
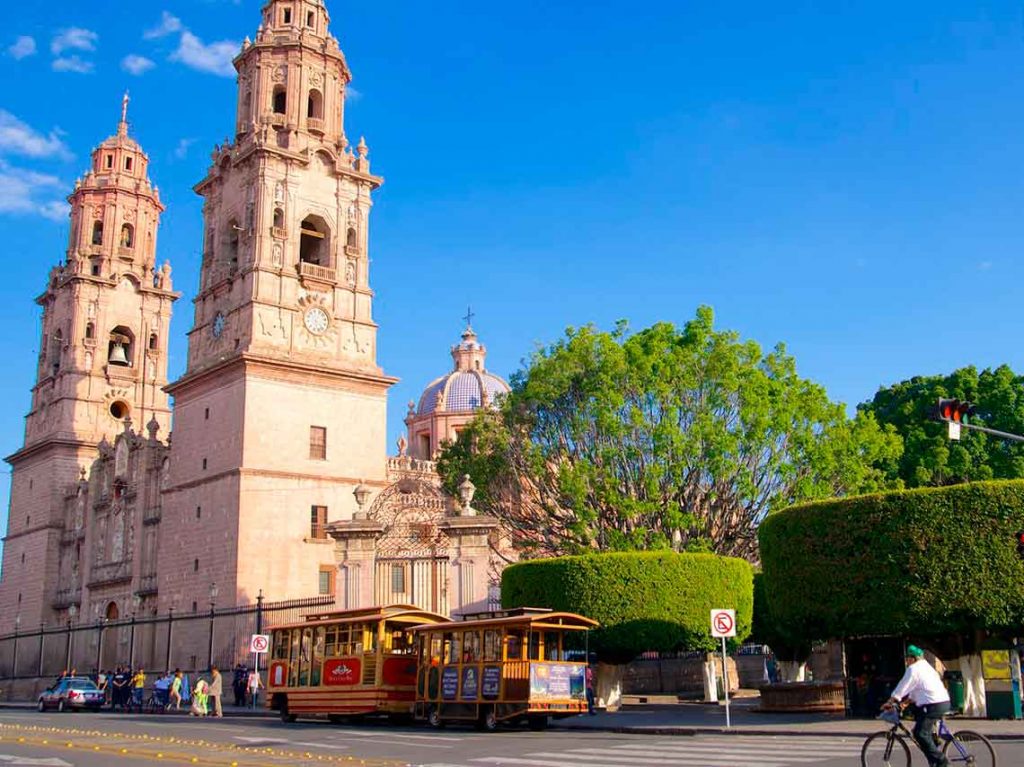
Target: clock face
<point>316,320</point>
<point>218,325</point>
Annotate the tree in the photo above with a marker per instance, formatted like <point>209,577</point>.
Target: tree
<point>665,438</point>
<point>929,457</point>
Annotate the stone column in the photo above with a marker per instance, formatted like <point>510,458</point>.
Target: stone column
<point>355,552</point>
<point>470,562</point>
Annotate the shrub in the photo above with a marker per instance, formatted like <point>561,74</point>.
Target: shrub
<point>657,600</point>
<point>923,562</point>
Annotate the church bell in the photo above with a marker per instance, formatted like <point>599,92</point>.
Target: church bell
<point>117,355</point>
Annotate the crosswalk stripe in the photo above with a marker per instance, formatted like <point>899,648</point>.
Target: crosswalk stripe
<point>612,761</point>
<point>745,748</point>
<point>646,756</point>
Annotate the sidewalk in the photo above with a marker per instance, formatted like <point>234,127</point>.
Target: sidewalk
<point>699,718</point>
<point>229,711</point>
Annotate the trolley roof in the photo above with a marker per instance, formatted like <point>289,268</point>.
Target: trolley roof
<point>407,614</point>
<point>533,617</point>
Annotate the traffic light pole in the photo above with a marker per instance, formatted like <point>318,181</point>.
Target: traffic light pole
<point>993,432</point>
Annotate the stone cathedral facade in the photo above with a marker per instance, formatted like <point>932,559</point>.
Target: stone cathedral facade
<point>276,477</point>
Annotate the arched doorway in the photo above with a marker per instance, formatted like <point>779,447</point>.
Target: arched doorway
<point>412,557</point>
<point>112,639</point>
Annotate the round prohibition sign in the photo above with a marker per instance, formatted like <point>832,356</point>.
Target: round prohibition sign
<point>259,643</point>
<point>723,623</point>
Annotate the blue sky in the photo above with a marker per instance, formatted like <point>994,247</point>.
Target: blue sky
<point>843,177</point>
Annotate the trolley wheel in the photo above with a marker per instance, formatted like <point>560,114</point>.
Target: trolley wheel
<point>488,721</point>
<point>537,723</point>
<point>979,751</point>
<point>41,706</point>
<point>61,707</point>
<point>878,751</point>
<point>434,717</point>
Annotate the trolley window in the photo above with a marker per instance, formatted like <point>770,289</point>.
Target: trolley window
<point>514,643</point>
<point>551,646</point>
<point>281,639</point>
<point>492,645</point>
<point>534,645</point>
<point>318,656</point>
<point>470,647</point>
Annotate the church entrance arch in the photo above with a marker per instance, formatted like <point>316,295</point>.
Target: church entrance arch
<point>412,557</point>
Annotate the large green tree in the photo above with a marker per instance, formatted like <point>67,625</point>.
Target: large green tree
<point>929,457</point>
<point>666,437</point>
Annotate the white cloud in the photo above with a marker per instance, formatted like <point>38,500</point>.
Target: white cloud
<point>181,151</point>
<point>352,95</point>
<point>23,47</point>
<point>73,38</point>
<point>21,189</point>
<point>215,58</point>
<point>136,65</point>
<point>169,24</point>
<point>72,64</point>
<point>18,138</point>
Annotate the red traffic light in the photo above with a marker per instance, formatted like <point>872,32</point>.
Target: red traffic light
<point>954,410</point>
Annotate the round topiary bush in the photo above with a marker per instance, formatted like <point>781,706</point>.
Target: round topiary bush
<point>656,600</point>
<point>922,562</point>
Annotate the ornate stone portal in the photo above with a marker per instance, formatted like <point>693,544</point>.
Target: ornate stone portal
<point>417,547</point>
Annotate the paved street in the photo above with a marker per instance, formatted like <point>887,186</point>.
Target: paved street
<point>107,740</point>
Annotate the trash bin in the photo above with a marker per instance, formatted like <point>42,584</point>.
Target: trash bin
<point>955,685</point>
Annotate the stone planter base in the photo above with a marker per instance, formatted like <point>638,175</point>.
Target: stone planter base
<point>803,697</point>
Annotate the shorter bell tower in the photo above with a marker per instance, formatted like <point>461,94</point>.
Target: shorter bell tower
<point>106,314</point>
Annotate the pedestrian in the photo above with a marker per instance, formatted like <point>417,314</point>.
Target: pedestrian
<point>238,683</point>
<point>138,689</point>
<point>216,691</point>
<point>254,683</point>
<point>199,698</point>
<point>175,691</point>
<point>772,669</point>
<point>119,695</point>
<point>588,680</point>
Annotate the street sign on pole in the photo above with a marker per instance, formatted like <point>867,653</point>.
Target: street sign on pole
<point>723,626</point>
<point>259,643</point>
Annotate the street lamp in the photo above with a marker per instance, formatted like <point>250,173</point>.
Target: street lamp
<point>72,612</point>
<point>213,604</point>
<point>170,631</point>
<point>100,622</point>
<point>136,603</point>
<point>17,626</point>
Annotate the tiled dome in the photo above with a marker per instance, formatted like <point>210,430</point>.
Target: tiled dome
<point>468,387</point>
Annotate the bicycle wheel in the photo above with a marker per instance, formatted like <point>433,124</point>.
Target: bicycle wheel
<point>969,748</point>
<point>885,749</point>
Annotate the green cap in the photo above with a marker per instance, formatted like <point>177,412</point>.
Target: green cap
<point>913,651</point>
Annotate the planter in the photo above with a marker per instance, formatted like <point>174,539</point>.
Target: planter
<point>803,697</point>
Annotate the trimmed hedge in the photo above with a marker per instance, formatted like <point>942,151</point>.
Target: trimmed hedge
<point>654,600</point>
<point>925,562</point>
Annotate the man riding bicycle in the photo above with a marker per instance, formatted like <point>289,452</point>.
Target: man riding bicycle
<point>922,684</point>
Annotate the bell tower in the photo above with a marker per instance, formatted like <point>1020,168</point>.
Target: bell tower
<point>106,314</point>
<point>282,410</point>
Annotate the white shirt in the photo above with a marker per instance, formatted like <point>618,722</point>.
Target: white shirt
<point>923,684</point>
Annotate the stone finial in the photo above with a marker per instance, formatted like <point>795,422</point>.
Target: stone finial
<point>362,494</point>
<point>153,427</point>
<point>127,424</point>
<point>81,474</point>
<point>363,149</point>
<point>466,492</point>
<point>411,407</point>
<point>403,445</point>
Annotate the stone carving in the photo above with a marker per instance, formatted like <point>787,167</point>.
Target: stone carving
<point>280,73</point>
<point>316,79</point>
<point>279,191</point>
<point>129,216</point>
<point>277,255</point>
<point>117,539</point>
<point>403,445</point>
<point>121,458</point>
<point>350,272</point>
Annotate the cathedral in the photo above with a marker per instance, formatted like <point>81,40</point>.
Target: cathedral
<point>276,478</point>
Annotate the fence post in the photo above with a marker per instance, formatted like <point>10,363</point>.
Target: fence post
<point>170,623</point>
<point>14,664</point>
<point>259,612</point>
<point>42,638</point>
<point>99,642</point>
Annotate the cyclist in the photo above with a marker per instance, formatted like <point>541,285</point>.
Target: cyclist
<point>922,684</point>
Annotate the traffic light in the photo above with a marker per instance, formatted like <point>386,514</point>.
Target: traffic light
<point>1020,544</point>
<point>954,410</point>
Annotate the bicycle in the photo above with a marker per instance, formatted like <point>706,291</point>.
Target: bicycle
<point>890,748</point>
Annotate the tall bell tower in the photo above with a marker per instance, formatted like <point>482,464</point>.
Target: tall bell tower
<point>282,410</point>
<point>102,359</point>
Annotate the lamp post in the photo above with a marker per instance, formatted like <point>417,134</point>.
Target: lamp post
<point>72,612</point>
<point>259,612</point>
<point>136,602</point>
<point>170,632</point>
<point>14,665</point>
<point>100,622</point>
<point>213,605</point>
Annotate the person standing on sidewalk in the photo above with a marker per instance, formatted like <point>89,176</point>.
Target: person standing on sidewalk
<point>254,684</point>
<point>588,681</point>
<point>923,685</point>
<point>175,696</point>
<point>138,689</point>
<point>216,690</point>
<point>238,684</point>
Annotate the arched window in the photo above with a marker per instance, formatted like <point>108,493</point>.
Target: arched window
<point>120,349</point>
<point>315,105</point>
<point>353,238</point>
<point>112,613</point>
<point>127,236</point>
<point>97,233</point>
<point>280,100</point>
<point>154,342</point>
<point>231,244</point>
<point>278,218</point>
<point>90,331</point>
<point>56,346</point>
<point>313,241</point>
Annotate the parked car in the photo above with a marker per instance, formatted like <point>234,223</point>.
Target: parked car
<point>74,692</point>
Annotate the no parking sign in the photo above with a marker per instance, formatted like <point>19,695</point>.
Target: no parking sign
<point>259,643</point>
<point>723,624</point>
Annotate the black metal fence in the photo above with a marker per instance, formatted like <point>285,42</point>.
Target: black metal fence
<point>188,641</point>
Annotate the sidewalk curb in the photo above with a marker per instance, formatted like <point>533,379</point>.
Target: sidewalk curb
<point>691,731</point>
<point>183,712</point>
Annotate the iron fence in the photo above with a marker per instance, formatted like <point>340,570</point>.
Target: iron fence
<point>190,641</point>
